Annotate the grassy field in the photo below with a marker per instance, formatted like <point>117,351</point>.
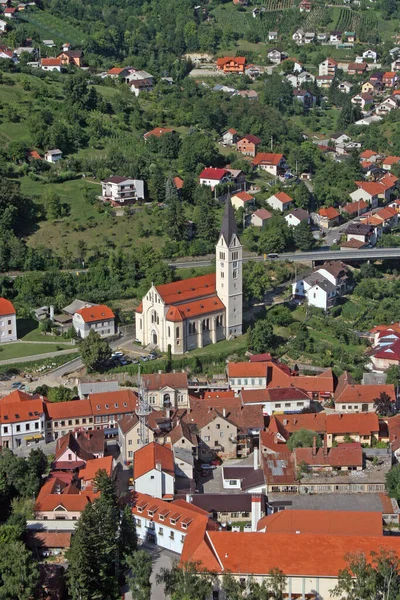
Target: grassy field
<point>19,349</point>
<point>33,366</point>
<point>55,28</point>
<point>28,331</point>
<point>239,344</point>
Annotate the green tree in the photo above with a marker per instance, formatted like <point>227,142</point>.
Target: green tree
<point>204,215</point>
<point>303,438</point>
<point>19,573</point>
<point>261,337</point>
<point>184,583</point>
<point>393,375</point>
<point>94,350</point>
<point>303,237</point>
<point>52,202</point>
<point>176,222</point>
<point>392,482</point>
<point>140,566</point>
<point>383,405</point>
<point>82,250</point>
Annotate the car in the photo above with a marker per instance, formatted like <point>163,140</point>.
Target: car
<point>215,462</point>
<point>144,358</point>
<point>17,385</point>
<point>152,357</point>
<point>273,255</point>
<point>117,354</point>
<point>135,361</point>
<point>207,467</point>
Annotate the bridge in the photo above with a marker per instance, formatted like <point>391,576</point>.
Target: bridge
<point>312,256</point>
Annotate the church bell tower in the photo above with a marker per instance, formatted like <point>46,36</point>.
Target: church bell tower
<point>229,275</point>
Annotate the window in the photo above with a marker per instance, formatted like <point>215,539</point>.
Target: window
<point>104,419</point>
<point>9,322</point>
<point>245,382</point>
<point>62,423</point>
<point>27,427</point>
<point>36,425</point>
<point>239,382</point>
<point>90,420</point>
<point>253,382</point>
<point>177,332</point>
<point>222,275</point>
<point>232,482</point>
<point>107,406</point>
<point>97,419</point>
<point>151,476</point>
<point>169,331</point>
<point>278,405</point>
<point>5,429</point>
<point>235,255</point>
<point>138,522</point>
<point>152,399</point>
<point>218,426</point>
<point>300,404</point>
<point>55,423</point>
<point>235,274</point>
<point>221,434</point>
<point>130,454</point>
<point>70,422</point>
<point>76,421</point>
<point>18,428</point>
<point>129,442</point>
<point>172,535</point>
<point>84,421</point>
<point>160,531</point>
<point>69,456</point>
<point>207,438</point>
<point>287,404</point>
<point>260,382</point>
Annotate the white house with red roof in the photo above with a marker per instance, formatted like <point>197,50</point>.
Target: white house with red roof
<point>280,201</point>
<point>242,200</point>
<point>154,471</point>
<point>8,321</point>
<point>270,162</point>
<point>213,177</point>
<point>99,317</point>
<point>199,311</point>
<point>327,67</point>
<point>22,419</point>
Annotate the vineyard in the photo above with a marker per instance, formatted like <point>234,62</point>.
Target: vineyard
<point>274,5</point>
<point>315,18</point>
<point>348,20</point>
<point>283,20</point>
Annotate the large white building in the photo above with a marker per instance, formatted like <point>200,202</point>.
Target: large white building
<point>98,317</point>
<point>202,310</point>
<point>122,189</point>
<point>8,321</point>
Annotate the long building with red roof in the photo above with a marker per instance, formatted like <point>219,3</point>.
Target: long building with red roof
<point>203,310</point>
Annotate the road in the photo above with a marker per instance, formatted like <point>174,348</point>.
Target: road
<point>320,254</point>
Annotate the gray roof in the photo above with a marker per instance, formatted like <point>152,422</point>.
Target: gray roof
<point>351,502</point>
<point>374,378</point>
<point>321,281</point>
<point>359,228</point>
<point>300,214</point>
<point>97,387</point>
<point>228,228</point>
<point>248,476</point>
<point>77,305</point>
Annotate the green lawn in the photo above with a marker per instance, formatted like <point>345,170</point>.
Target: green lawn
<point>28,331</point>
<point>19,349</point>
<point>239,344</point>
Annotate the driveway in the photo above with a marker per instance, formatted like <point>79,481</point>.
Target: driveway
<point>162,559</point>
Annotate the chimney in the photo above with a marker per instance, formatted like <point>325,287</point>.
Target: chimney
<point>314,446</point>
<point>167,413</point>
<point>255,459</point>
<point>158,466</point>
<point>51,314</point>
<point>255,510</point>
<point>224,412</point>
<point>189,498</point>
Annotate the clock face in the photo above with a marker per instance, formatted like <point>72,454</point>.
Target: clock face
<point>222,265</point>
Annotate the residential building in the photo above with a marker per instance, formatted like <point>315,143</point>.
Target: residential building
<point>389,161</point>
<point>157,132</point>
<point>242,200</point>
<point>354,209</point>
<point>362,232</point>
<point>275,56</point>
<point>166,390</point>
<point>98,318</point>
<point>322,287</point>
<point>248,145</point>
<point>357,68</point>
<point>335,37</point>
<point>274,400</point>
<point>22,419</point>
<point>297,216</point>
<point>167,523</point>
<point>305,6</point>
<point>228,507</point>
<point>129,439</point>
<point>61,501</point>
<point>368,191</point>
<point>74,450</point>
<point>298,36</point>
<point>139,81</point>
<point>3,26</point>
<point>213,177</point>
<point>328,217</point>
<point>344,457</point>
<point>231,64</point>
<point>269,162</point>
<point>363,100</point>
<point>384,355</point>
<point>230,137</point>
<point>9,13</point>
<point>122,190</point>
<point>370,55</point>
<point>244,478</point>
<point>324,81</point>
<point>272,36</point>
<point>260,217</point>
<point>51,64</point>
<point>387,106</point>
<point>108,408</point>
<point>361,398</point>
<point>198,311</point>
<point>153,471</point>
<point>8,321</point>
<point>89,472</point>
<point>53,156</point>
<point>322,522</point>
<point>327,67</point>
<point>305,97</point>
<point>388,215</point>
<point>280,201</point>
<point>389,79</point>
<point>359,427</point>
<point>248,376</point>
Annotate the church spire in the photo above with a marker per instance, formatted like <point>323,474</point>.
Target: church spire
<point>229,227</point>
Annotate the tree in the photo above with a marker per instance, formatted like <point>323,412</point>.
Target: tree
<point>176,223</point>
<point>52,202</point>
<point>184,583</point>
<point>393,375</point>
<point>303,237</point>
<point>140,566</point>
<point>261,337</point>
<point>94,351</point>
<point>304,438</point>
<point>82,251</point>
<point>19,573</point>
<point>384,405</point>
<point>392,483</point>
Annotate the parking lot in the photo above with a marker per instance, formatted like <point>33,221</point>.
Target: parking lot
<point>130,357</point>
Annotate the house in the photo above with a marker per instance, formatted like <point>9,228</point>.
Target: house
<point>122,190</point>
<point>304,77</point>
<point>389,161</point>
<point>230,137</point>
<point>361,398</point>
<point>99,318</point>
<point>354,209</point>
<point>71,57</point>
<point>345,87</point>
<point>368,88</point>
<point>242,200</point>
<point>321,37</point>
<point>368,191</point>
<point>360,427</point>
<point>48,543</point>
<point>370,155</point>
<point>74,450</point>
<point>217,434</point>
<point>357,68</point>
<point>260,217</point>
<point>88,473</point>
<point>361,232</point>
<point>384,355</point>
<point>9,13</point>
<point>22,419</point>
<point>344,457</point>
<point>309,37</point>
<point>297,216</point>
<point>305,6</point>
<point>58,500</point>
<point>231,64</point>
<point>389,79</point>
<point>328,217</point>
<point>49,43</point>
<point>388,215</point>
<point>51,64</point>
<point>328,67</point>
<point>370,55</point>
<point>395,66</point>
<point>386,106</point>
<point>269,162</point>
<point>275,56</point>
<point>280,201</point>
<point>362,100</point>
<point>340,138</point>
<point>325,522</point>
<point>166,390</point>
<point>3,26</point>
<point>53,156</point>
<point>324,81</point>
<point>248,145</point>
<point>167,524</point>
<point>253,71</point>
<point>227,507</point>
<point>350,36</point>
<point>139,81</point>
<point>272,36</point>
<point>335,37</point>
<point>305,97</point>
<point>250,94</point>
<point>154,472</point>
<point>213,177</point>
<point>129,437</point>
<point>245,375</point>
<point>6,52</point>
<point>322,287</point>
<point>157,132</point>
<point>8,321</point>
<point>298,36</point>
<point>272,400</point>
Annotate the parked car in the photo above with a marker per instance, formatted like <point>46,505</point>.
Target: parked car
<point>273,255</point>
<point>17,385</point>
<point>144,358</point>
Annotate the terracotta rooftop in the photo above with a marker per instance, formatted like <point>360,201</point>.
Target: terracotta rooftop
<point>187,289</point>
<point>267,158</point>
<point>344,455</point>
<point>365,394</point>
<point>148,457</point>
<point>89,472</point>
<point>324,522</point>
<point>158,381</point>
<point>6,307</point>
<point>99,312</point>
<point>361,423</point>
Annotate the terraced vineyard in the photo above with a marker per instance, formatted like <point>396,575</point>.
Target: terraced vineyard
<point>315,18</point>
<point>283,20</point>
<point>349,20</point>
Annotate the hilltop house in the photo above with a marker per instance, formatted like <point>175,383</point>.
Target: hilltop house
<point>122,190</point>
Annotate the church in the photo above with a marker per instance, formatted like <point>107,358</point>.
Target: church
<point>199,311</point>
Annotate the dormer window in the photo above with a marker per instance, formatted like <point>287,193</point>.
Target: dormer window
<point>98,406</point>
<point>107,406</point>
<point>184,526</point>
<point>161,517</point>
<point>151,513</point>
<point>116,405</point>
<point>125,405</point>
<point>139,509</point>
<point>173,521</point>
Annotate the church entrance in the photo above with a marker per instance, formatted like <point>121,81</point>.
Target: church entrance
<point>154,338</point>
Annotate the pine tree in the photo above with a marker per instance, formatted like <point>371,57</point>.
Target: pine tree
<point>19,573</point>
<point>176,223</point>
<point>303,237</point>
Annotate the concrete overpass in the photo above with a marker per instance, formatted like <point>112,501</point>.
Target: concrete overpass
<point>313,256</point>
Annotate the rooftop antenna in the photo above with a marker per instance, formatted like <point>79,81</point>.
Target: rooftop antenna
<point>143,410</point>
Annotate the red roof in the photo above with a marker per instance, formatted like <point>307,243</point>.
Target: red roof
<point>329,212</point>
<point>260,357</point>
<point>253,139</point>
<point>361,423</point>
<point>34,154</point>
<point>66,410</point>
<point>158,132</point>
<point>389,75</point>
<point>386,213</point>
<point>366,394</point>
<point>158,381</point>
<point>353,207</point>
<point>247,369</point>
<point>391,352</point>
<point>147,458</point>
<point>312,421</point>
<point>267,158</point>
<point>323,382</point>
<point>353,243</point>
<point>57,493</point>
<point>89,472</point>
<point>28,410</point>
<point>212,173</point>
<point>195,308</point>
<point>244,196</point>
<point>6,307</point>
<point>272,395</point>
<point>240,60</point>
<point>51,62</point>
<point>362,66</point>
<point>325,522</point>
<point>96,313</point>
<point>391,160</point>
<point>284,198</point>
<point>344,455</point>
<point>263,214</point>
<point>178,183</point>
<point>115,71</point>
<point>187,289</point>
<point>111,403</point>
<point>368,154</point>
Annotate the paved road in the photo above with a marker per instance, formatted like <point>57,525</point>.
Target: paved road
<point>162,559</point>
<point>320,254</point>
